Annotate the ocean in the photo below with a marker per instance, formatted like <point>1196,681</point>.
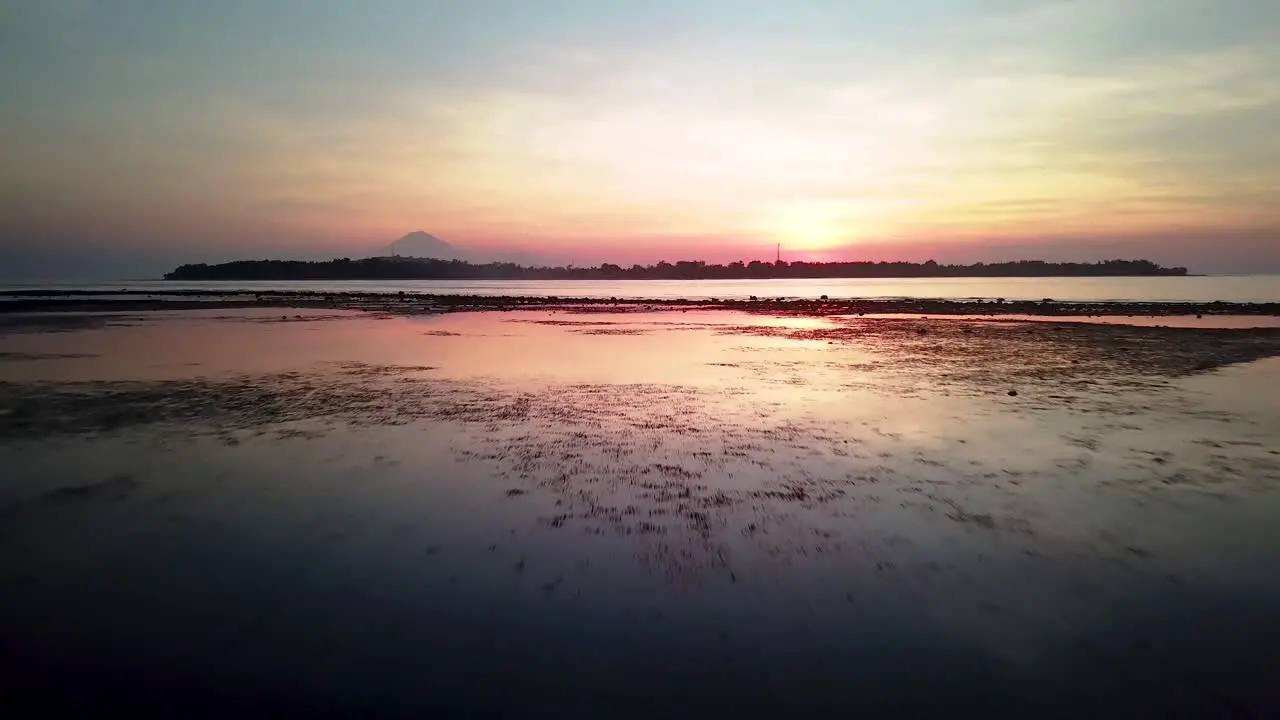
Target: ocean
<point>1206,288</point>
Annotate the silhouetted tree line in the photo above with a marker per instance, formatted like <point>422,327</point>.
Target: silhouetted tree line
<point>402,268</point>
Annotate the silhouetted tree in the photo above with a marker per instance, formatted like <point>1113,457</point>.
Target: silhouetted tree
<point>404,268</point>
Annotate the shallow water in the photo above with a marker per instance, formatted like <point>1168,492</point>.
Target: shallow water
<point>608,514</point>
<point>1200,289</point>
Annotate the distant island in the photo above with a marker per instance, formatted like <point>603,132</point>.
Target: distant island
<point>412,268</point>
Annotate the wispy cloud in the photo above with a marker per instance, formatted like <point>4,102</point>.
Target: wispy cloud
<point>814,123</point>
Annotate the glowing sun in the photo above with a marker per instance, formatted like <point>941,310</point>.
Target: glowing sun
<point>809,226</point>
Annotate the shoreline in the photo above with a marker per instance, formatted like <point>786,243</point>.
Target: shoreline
<point>1064,365</point>
<point>30,301</point>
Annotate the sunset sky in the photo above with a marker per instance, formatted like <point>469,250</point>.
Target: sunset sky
<point>638,130</point>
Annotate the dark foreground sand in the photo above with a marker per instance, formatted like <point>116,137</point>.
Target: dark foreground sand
<point>591,510</point>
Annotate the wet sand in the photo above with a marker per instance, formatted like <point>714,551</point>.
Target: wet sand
<point>601,510</point>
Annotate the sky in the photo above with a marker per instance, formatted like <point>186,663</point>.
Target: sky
<point>134,131</point>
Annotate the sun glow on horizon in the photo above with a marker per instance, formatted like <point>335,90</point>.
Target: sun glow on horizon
<point>595,129</point>
<point>811,226</point>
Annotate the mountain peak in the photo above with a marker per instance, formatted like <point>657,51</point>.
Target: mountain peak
<point>423,234</point>
<point>425,245</point>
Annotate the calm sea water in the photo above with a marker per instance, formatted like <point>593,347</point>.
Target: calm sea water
<point>508,515</point>
<point>1227,288</point>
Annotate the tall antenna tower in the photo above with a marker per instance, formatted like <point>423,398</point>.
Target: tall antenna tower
<point>777,260</point>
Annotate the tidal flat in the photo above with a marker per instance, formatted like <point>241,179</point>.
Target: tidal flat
<point>641,511</point>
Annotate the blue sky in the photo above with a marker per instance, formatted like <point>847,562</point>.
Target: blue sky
<point>636,130</point>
